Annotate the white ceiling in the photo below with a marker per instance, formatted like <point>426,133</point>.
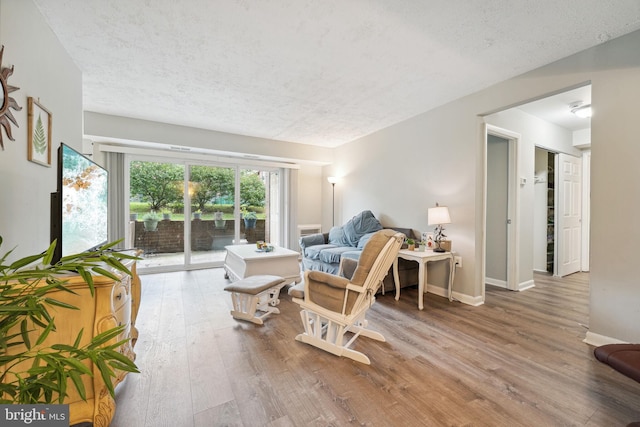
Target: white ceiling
<point>315,72</point>
<point>557,108</point>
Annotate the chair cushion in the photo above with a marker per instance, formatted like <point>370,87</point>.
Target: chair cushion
<point>364,239</point>
<point>624,358</point>
<point>327,290</point>
<point>337,237</point>
<point>253,285</point>
<point>332,255</point>
<point>359,225</point>
<point>297,290</point>
<point>312,239</point>
<point>352,254</point>
<point>370,254</point>
<point>313,252</point>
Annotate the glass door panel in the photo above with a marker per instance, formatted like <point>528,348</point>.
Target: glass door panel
<point>156,210</point>
<point>259,206</point>
<point>211,191</point>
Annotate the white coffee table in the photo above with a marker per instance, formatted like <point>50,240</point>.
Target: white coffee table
<point>245,260</point>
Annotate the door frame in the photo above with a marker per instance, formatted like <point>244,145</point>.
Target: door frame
<point>513,203</point>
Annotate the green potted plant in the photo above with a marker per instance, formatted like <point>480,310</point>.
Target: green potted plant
<point>250,219</point>
<point>218,219</point>
<point>411,244</point>
<point>31,373</point>
<point>166,215</point>
<point>197,214</point>
<point>150,220</point>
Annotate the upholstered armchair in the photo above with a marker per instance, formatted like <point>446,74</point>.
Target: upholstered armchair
<point>333,305</point>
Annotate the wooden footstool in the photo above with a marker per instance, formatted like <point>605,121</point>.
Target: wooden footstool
<point>255,293</point>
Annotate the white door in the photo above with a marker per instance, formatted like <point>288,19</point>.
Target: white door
<point>569,229</point>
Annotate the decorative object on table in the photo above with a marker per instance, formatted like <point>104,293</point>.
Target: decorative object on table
<point>39,133</point>
<point>151,221</point>
<point>332,180</point>
<point>411,244</point>
<point>422,246</point>
<point>446,245</point>
<point>439,216</point>
<point>250,219</point>
<point>7,102</point>
<point>427,238</point>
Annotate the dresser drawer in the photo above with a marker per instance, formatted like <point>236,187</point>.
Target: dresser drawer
<point>120,295</point>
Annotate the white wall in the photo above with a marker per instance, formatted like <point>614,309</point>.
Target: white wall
<point>104,127</point>
<point>398,172</point>
<point>42,69</point>
<point>438,156</point>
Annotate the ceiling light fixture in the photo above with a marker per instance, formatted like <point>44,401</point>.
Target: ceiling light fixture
<point>583,111</point>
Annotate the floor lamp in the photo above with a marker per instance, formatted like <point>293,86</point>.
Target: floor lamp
<point>332,180</point>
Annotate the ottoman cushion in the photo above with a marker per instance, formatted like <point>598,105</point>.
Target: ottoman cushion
<point>624,358</point>
<point>253,285</point>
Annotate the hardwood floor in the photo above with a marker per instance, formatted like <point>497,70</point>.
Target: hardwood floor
<point>518,360</point>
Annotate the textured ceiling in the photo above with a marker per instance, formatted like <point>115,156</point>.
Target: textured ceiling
<point>315,72</point>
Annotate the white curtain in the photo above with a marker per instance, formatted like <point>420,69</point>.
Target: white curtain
<point>117,221</point>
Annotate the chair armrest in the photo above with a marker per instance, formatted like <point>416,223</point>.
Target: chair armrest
<point>313,239</point>
<point>322,278</point>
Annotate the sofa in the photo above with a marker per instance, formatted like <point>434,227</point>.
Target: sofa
<point>323,251</point>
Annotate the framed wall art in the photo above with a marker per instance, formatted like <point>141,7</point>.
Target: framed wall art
<point>39,132</point>
<point>427,238</point>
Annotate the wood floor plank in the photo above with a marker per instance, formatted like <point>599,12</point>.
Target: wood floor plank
<point>517,360</point>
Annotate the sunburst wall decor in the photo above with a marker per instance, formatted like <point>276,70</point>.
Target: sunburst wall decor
<point>7,101</point>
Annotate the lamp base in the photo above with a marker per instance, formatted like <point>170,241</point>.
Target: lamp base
<point>439,250</point>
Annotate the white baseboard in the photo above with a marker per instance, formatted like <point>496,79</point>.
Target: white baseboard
<point>463,298</point>
<point>495,282</point>
<point>467,299</point>
<point>503,284</point>
<point>526,285</point>
<point>597,340</point>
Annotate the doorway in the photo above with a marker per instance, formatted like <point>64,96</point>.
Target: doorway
<point>544,209</point>
<point>501,202</point>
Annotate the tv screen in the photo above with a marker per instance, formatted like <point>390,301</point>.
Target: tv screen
<point>80,206</point>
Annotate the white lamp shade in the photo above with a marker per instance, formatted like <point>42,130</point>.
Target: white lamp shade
<point>332,179</point>
<point>439,215</point>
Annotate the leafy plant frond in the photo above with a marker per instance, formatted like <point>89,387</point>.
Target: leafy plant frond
<point>25,286</point>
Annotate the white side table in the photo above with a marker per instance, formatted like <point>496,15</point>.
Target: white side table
<point>422,258</point>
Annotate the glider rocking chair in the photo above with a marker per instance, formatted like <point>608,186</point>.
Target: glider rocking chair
<point>336,304</point>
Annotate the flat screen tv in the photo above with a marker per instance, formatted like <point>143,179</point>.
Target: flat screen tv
<point>79,207</point>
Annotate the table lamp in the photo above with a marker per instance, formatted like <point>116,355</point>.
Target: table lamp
<point>438,216</point>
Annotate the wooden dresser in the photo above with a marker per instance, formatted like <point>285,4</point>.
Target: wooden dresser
<point>114,303</point>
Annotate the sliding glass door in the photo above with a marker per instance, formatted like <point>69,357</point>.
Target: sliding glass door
<point>210,196</point>
<point>184,214</point>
